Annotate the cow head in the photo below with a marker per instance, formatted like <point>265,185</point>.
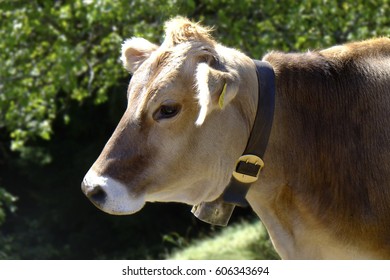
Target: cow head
<point>188,117</point>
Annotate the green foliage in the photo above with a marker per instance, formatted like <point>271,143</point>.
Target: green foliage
<point>260,26</point>
<point>7,204</point>
<point>7,201</point>
<point>56,52</point>
<point>62,91</point>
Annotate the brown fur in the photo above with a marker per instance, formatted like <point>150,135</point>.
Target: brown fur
<point>333,114</point>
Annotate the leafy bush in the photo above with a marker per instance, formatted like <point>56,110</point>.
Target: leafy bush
<point>7,202</point>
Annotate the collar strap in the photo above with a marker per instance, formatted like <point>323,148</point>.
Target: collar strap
<point>248,166</point>
<point>250,163</point>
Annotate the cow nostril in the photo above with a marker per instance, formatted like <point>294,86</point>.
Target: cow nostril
<point>97,195</point>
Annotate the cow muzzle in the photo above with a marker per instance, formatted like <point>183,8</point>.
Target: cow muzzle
<point>110,196</point>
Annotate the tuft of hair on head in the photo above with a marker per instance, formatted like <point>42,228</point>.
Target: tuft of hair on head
<point>180,29</point>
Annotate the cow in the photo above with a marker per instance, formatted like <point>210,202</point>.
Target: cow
<point>324,190</point>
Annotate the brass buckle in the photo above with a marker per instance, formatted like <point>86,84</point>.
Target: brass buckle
<point>244,178</point>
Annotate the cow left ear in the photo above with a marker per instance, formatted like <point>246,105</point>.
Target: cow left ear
<point>135,51</point>
<point>215,89</point>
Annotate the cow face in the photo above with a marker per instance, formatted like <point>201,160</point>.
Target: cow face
<point>177,140</point>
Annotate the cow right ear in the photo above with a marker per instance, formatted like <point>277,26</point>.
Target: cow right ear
<point>135,51</point>
<point>215,89</point>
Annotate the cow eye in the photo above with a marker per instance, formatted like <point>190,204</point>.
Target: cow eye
<point>166,111</point>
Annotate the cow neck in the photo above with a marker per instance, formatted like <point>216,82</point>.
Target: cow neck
<point>249,165</point>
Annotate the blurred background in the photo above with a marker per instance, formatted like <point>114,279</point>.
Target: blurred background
<point>63,90</point>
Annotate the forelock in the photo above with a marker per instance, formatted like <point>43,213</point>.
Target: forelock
<point>180,29</point>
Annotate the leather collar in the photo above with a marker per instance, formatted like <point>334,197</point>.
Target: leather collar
<point>250,163</point>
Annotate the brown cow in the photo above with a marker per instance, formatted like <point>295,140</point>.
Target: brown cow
<point>324,191</point>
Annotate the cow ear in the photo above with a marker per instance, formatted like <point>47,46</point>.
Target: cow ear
<point>215,89</point>
<point>135,51</point>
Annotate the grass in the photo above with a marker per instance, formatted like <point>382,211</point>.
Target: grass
<point>242,241</point>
